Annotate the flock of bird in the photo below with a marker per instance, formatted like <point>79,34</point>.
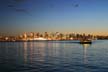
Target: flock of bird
<point>14,5</point>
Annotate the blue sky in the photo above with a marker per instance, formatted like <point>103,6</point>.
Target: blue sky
<point>80,16</point>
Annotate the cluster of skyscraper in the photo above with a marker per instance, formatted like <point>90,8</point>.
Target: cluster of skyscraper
<point>47,36</point>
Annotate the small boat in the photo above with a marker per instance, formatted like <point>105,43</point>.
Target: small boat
<point>85,42</point>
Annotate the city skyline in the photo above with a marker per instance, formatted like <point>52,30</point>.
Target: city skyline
<point>79,16</point>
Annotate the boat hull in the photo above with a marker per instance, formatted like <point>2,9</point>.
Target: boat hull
<point>85,42</point>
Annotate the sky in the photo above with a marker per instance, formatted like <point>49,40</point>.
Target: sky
<point>79,16</point>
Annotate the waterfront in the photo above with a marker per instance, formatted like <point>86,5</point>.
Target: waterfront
<point>54,56</point>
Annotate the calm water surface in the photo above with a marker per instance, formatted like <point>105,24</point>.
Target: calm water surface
<point>53,57</point>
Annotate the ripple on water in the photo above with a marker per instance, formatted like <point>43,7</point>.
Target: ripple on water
<point>54,57</point>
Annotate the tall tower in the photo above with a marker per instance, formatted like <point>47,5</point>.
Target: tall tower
<point>25,35</point>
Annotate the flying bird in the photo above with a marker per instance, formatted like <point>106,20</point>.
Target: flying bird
<point>10,5</point>
<point>19,0</point>
<point>76,5</point>
<point>20,10</point>
<point>14,5</point>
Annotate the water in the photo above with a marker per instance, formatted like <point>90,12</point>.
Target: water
<point>53,57</point>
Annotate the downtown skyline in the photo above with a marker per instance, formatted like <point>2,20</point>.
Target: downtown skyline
<point>79,16</point>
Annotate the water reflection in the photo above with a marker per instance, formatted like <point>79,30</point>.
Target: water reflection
<point>31,51</point>
<point>53,57</point>
<point>85,56</point>
<point>85,47</point>
<point>25,52</point>
<point>40,51</point>
<point>28,51</point>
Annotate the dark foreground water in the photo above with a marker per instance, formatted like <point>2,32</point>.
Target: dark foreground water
<point>53,57</point>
